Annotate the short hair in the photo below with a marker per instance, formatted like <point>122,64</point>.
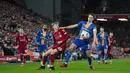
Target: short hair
<point>55,23</point>
<point>45,25</point>
<point>94,16</point>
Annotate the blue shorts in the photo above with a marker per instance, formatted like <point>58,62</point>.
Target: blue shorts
<point>102,48</point>
<point>85,45</point>
<point>41,48</point>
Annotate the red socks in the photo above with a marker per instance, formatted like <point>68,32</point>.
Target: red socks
<point>21,58</point>
<point>44,60</point>
<point>110,56</point>
<point>52,58</point>
<point>25,59</point>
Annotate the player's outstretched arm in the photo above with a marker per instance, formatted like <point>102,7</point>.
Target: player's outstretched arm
<point>70,26</point>
<point>94,39</point>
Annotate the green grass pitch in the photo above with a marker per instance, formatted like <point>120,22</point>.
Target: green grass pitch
<point>118,66</point>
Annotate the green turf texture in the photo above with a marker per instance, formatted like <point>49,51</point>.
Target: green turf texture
<point>118,66</point>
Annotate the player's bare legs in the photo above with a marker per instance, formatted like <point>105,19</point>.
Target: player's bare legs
<point>72,47</point>
<point>43,61</point>
<point>89,52</point>
<point>105,56</point>
<point>50,52</point>
<point>99,56</point>
<point>22,58</point>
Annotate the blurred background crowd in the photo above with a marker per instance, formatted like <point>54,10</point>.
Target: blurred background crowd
<point>13,16</point>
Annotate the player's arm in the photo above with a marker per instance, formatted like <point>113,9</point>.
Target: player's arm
<point>27,39</point>
<point>16,41</point>
<point>37,38</point>
<point>70,26</point>
<point>109,41</point>
<point>97,41</point>
<point>51,39</point>
<point>75,25</point>
<point>94,38</point>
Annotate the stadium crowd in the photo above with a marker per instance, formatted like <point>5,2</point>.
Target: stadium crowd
<point>13,17</point>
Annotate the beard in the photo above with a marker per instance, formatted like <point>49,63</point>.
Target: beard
<point>45,29</point>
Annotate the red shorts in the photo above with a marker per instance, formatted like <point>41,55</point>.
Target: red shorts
<point>109,49</point>
<point>22,50</point>
<point>60,48</point>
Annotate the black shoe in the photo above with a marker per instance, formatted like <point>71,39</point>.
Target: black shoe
<point>51,68</point>
<point>41,67</point>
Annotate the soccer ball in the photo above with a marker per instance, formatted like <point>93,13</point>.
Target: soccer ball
<point>85,35</point>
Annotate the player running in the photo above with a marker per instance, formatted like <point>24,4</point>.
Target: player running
<point>60,38</point>
<point>111,37</point>
<point>88,28</point>
<point>41,39</point>
<point>21,42</point>
<point>102,47</point>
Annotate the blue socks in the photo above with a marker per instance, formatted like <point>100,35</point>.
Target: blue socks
<point>105,57</point>
<point>99,57</point>
<point>68,55</point>
<point>48,60</point>
<point>89,61</point>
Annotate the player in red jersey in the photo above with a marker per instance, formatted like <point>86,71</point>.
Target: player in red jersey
<point>111,38</point>
<point>60,38</point>
<point>21,41</point>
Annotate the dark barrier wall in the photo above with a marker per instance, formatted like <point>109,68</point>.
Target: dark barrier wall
<point>19,2</point>
<point>47,8</point>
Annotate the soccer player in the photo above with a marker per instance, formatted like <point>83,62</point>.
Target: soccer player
<point>103,39</point>
<point>21,42</point>
<point>67,58</point>
<point>111,38</point>
<point>60,38</point>
<point>85,43</point>
<point>41,40</point>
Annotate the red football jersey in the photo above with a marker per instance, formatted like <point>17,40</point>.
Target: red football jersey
<point>111,40</point>
<point>60,35</point>
<point>22,41</point>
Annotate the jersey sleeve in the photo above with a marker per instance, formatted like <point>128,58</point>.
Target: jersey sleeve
<point>81,23</point>
<point>107,34</point>
<point>26,38</point>
<point>50,38</point>
<point>38,32</point>
<point>54,40</point>
<point>98,36</point>
<point>35,39</point>
<point>94,27</point>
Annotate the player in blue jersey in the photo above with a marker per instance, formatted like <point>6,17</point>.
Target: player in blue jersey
<point>41,40</point>
<point>103,42</point>
<point>90,28</point>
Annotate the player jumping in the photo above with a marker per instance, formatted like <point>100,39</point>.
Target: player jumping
<point>21,41</point>
<point>60,38</point>
<point>42,37</point>
<point>85,43</point>
<point>103,39</point>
